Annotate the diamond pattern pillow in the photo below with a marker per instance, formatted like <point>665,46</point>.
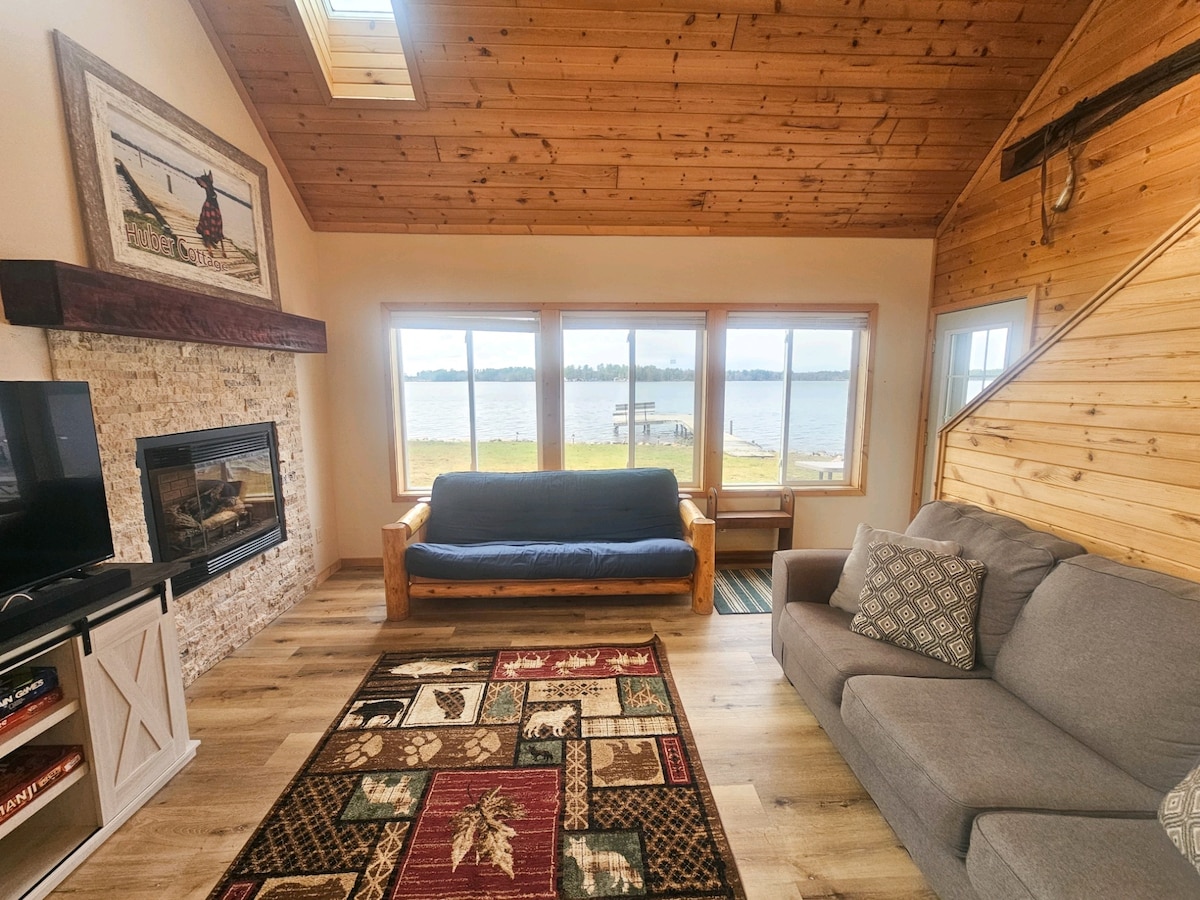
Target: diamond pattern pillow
<point>1179,813</point>
<point>921,601</point>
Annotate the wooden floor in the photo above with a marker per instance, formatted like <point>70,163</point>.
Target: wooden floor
<point>799,823</point>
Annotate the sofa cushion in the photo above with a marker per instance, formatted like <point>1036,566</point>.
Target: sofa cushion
<point>1179,814</point>
<point>658,558</point>
<point>1016,556</point>
<point>854,572</point>
<point>1108,652</point>
<point>1026,856</point>
<point>922,601</point>
<point>819,640</point>
<point>952,749</point>
<point>607,505</point>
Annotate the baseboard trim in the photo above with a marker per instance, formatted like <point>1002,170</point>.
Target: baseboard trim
<point>324,574</point>
<point>362,562</point>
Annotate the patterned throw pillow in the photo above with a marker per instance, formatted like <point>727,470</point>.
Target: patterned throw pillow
<point>1179,813</point>
<point>921,601</point>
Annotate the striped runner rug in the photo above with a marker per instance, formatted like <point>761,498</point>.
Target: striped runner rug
<point>742,591</point>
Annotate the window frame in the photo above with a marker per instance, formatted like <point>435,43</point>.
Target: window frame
<point>861,321</point>
<point>645,320</point>
<point>548,350</point>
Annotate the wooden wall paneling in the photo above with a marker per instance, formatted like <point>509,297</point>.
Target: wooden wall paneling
<point>1136,36</point>
<point>1137,461</point>
<point>1092,531</point>
<point>1096,433</point>
<point>1145,162</point>
<point>1109,436</point>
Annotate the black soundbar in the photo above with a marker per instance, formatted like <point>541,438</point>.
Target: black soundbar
<point>59,598</point>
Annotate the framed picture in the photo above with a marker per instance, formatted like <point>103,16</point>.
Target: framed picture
<point>164,199</point>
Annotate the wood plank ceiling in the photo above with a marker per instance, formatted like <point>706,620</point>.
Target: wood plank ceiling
<point>723,117</point>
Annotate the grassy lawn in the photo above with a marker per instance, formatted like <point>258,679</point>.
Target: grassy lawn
<point>427,459</point>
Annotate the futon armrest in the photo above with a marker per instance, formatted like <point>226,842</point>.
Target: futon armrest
<point>701,532</point>
<point>692,518</point>
<point>396,537</point>
<point>414,520</point>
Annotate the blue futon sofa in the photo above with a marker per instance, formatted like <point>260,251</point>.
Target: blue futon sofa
<point>614,531</point>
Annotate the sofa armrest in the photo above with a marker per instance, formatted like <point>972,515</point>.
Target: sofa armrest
<point>396,538</point>
<point>701,532</point>
<point>803,576</point>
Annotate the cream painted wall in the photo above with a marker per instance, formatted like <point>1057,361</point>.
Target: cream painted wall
<point>360,272</point>
<point>161,45</point>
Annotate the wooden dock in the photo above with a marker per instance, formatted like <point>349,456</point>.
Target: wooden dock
<point>645,415</point>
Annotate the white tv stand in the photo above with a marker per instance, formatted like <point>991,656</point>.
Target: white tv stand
<point>118,665</point>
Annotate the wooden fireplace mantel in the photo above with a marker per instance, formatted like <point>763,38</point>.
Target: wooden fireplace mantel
<point>50,294</point>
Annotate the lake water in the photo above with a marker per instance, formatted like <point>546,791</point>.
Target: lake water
<point>506,411</point>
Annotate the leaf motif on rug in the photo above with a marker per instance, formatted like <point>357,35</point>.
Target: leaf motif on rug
<point>481,827</point>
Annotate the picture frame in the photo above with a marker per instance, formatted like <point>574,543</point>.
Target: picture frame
<point>163,198</point>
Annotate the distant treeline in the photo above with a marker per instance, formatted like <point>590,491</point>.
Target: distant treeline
<point>613,372</point>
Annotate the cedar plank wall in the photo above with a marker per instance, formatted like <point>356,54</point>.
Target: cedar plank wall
<point>1096,438</point>
<point>1136,178</point>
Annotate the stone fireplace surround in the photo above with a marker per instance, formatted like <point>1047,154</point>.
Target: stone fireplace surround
<point>141,388</point>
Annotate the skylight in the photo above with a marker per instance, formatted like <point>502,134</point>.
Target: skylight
<point>359,8</point>
<point>360,49</point>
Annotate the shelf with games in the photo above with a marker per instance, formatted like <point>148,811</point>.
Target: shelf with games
<point>96,652</point>
<point>21,734</point>
<point>44,798</point>
<point>64,813</point>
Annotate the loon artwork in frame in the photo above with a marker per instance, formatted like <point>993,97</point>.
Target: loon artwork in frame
<point>163,198</point>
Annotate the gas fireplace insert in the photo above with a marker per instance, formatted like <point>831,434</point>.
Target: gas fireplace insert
<point>213,498</point>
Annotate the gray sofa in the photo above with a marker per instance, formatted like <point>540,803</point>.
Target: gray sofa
<point>1038,773</point>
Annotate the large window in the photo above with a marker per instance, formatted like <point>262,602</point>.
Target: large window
<point>791,397</point>
<point>466,398</point>
<point>613,420</point>
<point>724,398</point>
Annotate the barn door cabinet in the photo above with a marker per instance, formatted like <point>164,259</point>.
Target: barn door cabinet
<point>118,665</point>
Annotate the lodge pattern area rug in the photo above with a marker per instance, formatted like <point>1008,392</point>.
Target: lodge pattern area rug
<point>742,591</point>
<point>518,774</point>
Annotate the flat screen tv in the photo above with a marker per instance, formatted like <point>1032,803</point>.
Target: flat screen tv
<point>53,512</point>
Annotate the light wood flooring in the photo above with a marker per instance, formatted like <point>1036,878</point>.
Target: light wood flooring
<point>799,823</point>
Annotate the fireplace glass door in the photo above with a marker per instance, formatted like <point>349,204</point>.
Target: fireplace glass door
<point>213,497</point>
